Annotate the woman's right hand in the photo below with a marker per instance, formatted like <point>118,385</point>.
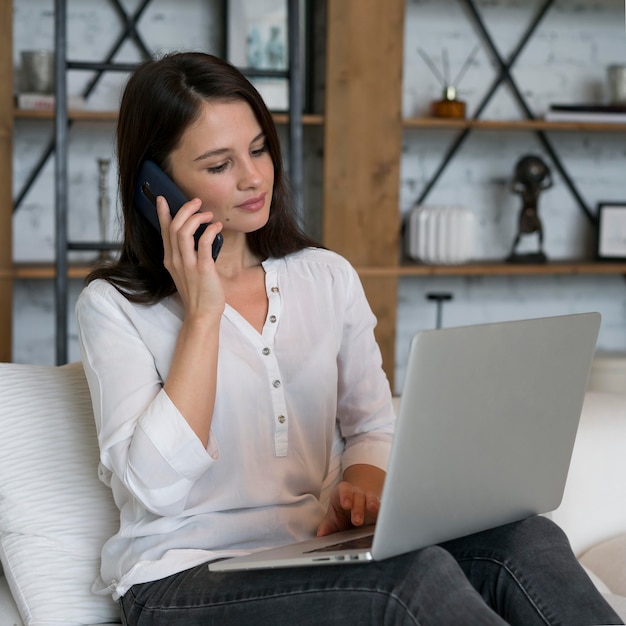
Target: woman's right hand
<point>192,378</point>
<point>193,272</point>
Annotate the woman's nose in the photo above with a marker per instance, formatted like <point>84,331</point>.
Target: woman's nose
<point>251,175</point>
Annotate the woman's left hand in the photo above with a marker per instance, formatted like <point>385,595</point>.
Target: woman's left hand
<point>355,501</point>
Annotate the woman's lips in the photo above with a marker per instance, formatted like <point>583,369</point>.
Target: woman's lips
<point>253,204</point>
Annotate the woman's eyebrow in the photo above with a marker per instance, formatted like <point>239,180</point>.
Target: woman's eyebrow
<point>220,151</point>
<point>211,153</point>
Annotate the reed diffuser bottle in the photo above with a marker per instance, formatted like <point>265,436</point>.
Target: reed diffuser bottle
<point>449,106</point>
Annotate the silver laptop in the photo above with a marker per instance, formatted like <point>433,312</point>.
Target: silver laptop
<point>484,435</point>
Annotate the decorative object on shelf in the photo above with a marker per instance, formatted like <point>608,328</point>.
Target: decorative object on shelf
<point>45,102</point>
<point>441,234</point>
<point>612,230</point>
<point>616,75</point>
<point>591,113</point>
<point>104,204</point>
<point>449,106</point>
<point>258,43</point>
<point>532,176</point>
<point>37,71</point>
<point>36,90</point>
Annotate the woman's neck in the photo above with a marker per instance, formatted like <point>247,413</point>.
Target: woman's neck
<point>235,258</point>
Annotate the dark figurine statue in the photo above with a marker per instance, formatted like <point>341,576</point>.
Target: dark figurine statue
<point>532,176</point>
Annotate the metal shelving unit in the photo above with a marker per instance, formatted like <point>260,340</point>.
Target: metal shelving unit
<point>59,147</point>
<point>363,47</point>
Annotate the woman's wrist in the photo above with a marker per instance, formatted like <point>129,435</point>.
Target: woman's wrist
<point>368,478</point>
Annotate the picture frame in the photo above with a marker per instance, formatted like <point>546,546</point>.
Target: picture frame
<point>611,231</point>
<point>257,41</point>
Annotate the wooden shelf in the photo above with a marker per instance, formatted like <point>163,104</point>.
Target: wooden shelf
<point>308,119</point>
<point>43,271</point>
<point>111,116</point>
<point>496,268</point>
<point>39,271</point>
<point>510,125</point>
<point>75,114</point>
<point>408,123</point>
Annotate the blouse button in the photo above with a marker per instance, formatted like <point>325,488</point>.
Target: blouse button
<point>281,419</point>
<point>276,383</point>
<point>274,289</point>
<point>266,351</point>
<point>273,319</point>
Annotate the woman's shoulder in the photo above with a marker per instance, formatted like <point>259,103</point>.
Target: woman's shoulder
<point>322,258</point>
<point>100,288</point>
<point>315,269</point>
<point>101,293</point>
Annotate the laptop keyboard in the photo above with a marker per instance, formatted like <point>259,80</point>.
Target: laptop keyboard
<point>359,543</point>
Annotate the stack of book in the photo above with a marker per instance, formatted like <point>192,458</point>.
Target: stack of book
<point>599,113</point>
<point>45,102</point>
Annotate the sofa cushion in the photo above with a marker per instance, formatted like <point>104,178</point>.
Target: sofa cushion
<point>600,585</point>
<point>592,509</point>
<point>55,514</point>
<point>608,561</point>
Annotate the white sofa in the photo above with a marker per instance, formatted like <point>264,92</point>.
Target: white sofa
<point>55,514</point>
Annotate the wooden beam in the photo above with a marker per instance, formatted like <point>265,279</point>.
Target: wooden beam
<point>382,294</point>
<point>362,146</point>
<point>6,183</point>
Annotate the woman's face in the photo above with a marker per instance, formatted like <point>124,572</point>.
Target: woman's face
<point>223,159</point>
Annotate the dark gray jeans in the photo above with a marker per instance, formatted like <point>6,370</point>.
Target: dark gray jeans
<point>523,573</point>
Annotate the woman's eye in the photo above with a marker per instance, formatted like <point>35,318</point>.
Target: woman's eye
<point>259,151</point>
<point>216,169</point>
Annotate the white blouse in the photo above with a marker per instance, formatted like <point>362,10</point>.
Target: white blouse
<point>295,406</point>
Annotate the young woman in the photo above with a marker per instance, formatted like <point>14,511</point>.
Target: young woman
<point>241,404</point>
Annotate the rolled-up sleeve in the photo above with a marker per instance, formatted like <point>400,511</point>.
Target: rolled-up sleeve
<point>364,404</point>
<point>143,437</point>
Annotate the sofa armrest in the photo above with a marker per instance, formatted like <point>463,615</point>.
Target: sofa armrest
<point>593,508</point>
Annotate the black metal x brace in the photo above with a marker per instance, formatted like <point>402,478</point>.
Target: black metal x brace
<point>129,32</point>
<point>505,75</point>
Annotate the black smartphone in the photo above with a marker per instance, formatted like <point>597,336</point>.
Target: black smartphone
<point>152,181</point>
